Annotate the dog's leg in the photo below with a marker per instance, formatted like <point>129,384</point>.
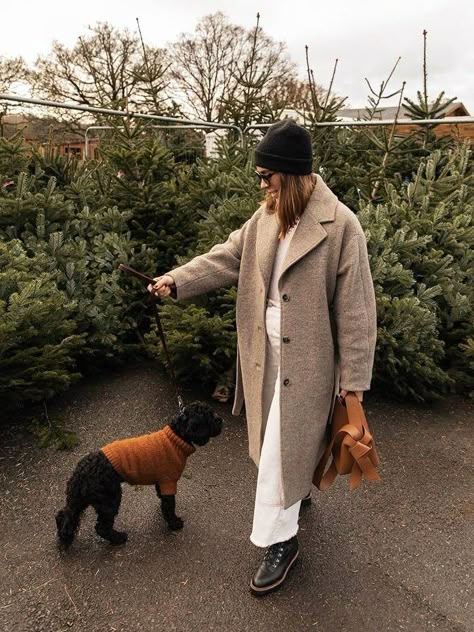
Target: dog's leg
<point>107,505</point>
<point>105,528</point>
<point>168,509</point>
<point>67,521</point>
<point>69,517</point>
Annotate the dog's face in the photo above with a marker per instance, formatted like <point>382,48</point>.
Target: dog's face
<point>197,423</point>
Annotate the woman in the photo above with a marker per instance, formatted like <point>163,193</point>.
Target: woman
<point>306,329</point>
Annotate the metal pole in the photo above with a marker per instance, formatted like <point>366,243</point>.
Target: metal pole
<point>94,110</point>
<point>181,126</point>
<point>450,120</point>
<point>86,136</point>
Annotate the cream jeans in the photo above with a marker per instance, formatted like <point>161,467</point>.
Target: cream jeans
<point>272,523</point>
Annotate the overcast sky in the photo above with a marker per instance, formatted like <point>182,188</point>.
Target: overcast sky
<point>367,36</point>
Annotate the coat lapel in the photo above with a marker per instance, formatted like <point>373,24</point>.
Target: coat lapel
<point>309,233</point>
<point>266,244</point>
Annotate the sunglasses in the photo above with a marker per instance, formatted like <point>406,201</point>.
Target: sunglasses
<point>266,177</point>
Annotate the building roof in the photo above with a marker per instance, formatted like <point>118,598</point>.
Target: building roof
<point>353,114</point>
<point>37,128</point>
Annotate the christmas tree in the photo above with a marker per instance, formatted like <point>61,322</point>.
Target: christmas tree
<point>63,309</point>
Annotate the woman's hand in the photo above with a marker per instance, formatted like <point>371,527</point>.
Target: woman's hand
<point>359,394</point>
<point>162,286</point>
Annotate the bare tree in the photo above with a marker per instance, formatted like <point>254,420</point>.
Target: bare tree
<point>295,94</point>
<point>224,73</point>
<point>108,68</point>
<point>203,65</point>
<point>11,71</point>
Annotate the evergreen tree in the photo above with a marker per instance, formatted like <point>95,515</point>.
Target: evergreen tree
<point>421,246</point>
<point>13,159</point>
<point>139,176</point>
<point>69,253</point>
<point>357,161</point>
<point>38,334</point>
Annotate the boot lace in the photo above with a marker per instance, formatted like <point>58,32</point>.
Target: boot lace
<point>274,554</point>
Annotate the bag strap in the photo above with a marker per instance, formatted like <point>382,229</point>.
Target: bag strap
<point>355,412</point>
<point>155,300</point>
<point>319,471</point>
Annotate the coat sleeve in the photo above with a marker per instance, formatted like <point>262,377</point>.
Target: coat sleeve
<point>355,315</point>
<point>218,268</point>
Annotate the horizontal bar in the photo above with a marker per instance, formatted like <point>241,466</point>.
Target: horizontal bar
<point>94,110</point>
<point>449,120</point>
<point>180,126</point>
<point>94,127</point>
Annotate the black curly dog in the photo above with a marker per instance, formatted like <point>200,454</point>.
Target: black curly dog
<point>95,482</point>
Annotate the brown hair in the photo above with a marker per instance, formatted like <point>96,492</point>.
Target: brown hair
<point>291,200</point>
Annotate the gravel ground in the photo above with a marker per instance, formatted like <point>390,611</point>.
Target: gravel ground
<point>389,556</point>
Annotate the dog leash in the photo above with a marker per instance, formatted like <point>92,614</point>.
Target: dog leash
<point>155,300</point>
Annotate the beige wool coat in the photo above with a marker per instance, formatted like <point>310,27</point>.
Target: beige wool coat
<point>328,322</point>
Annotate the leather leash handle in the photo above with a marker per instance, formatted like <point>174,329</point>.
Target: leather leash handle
<point>135,273</point>
<point>155,300</point>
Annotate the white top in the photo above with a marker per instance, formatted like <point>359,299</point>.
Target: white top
<point>280,255</point>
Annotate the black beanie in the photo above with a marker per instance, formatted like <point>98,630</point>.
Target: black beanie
<point>286,147</point>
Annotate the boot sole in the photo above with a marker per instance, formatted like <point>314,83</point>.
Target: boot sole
<point>265,590</point>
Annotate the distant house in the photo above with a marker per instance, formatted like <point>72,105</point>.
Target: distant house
<point>466,130</point>
<point>47,132</point>
<point>293,114</point>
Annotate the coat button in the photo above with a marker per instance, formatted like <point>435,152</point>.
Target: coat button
<point>286,339</point>
<point>286,298</point>
<point>286,382</point>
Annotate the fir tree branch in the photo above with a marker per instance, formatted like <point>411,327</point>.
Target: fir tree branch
<point>389,147</point>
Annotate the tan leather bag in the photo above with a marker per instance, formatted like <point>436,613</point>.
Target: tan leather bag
<point>351,445</point>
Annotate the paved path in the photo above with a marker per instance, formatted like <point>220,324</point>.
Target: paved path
<point>390,556</point>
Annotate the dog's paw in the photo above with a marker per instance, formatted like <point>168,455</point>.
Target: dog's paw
<point>176,524</point>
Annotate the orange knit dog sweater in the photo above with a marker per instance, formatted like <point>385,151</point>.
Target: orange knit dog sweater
<point>158,457</point>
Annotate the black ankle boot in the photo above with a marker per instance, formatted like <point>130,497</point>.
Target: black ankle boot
<point>277,561</point>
